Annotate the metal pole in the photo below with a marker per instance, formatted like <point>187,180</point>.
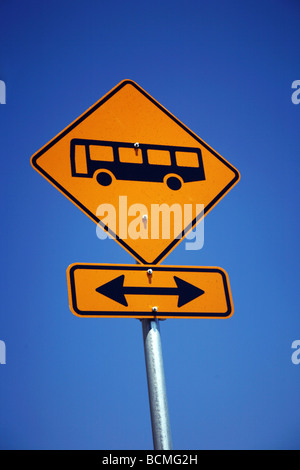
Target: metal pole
<point>156,385</point>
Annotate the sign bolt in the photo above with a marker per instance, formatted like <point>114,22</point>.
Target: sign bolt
<point>136,145</point>
<point>154,309</point>
<point>149,271</point>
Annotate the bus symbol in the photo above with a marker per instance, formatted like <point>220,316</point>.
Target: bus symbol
<point>106,161</point>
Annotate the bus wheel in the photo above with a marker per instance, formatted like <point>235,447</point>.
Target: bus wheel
<point>174,183</point>
<point>104,178</point>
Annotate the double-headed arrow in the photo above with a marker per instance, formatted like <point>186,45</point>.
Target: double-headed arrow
<point>115,290</point>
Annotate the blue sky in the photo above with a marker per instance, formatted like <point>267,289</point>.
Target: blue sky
<point>225,69</point>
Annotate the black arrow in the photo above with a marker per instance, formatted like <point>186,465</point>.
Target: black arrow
<point>116,291</point>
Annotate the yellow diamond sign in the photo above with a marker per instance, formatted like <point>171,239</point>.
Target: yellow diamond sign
<point>137,171</point>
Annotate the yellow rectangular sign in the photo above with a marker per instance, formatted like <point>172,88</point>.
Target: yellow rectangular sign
<point>128,291</point>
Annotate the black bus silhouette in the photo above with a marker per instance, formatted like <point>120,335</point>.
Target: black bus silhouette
<point>106,160</point>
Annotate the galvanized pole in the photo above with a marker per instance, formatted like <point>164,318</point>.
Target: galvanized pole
<point>156,385</point>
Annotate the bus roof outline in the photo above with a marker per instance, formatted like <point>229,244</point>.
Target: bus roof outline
<point>137,171</point>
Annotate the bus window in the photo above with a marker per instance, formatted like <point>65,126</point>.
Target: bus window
<point>188,159</point>
<point>101,153</point>
<point>80,160</point>
<point>130,155</point>
<point>159,157</point>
